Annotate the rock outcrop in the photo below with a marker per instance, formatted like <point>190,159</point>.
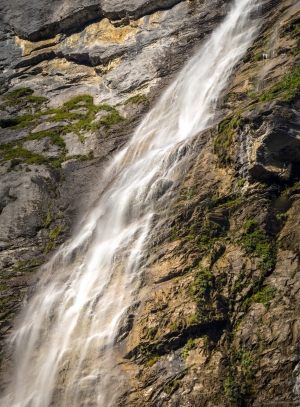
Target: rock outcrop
<point>218,323</point>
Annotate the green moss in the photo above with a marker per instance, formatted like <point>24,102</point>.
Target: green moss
<point>209,234</point>
<point>57,140</point>
<point>172,387</point>
<point>84,122</point>
<point>4,123</point>
<point>230,203</point>
<point>152,332</point>
<point>202,284</point>
<point>15,151</point>
<point>48,218</point>
<point>138,99</point>
<point>173,326</point>
<point>50,246</point>
<point>238,385</point>
<point>195,319</point>
<point>256,243</point>
<point>241,183</point>
<point>17,122</point>
<point>287,89</point>
<point>258,57</point>
<point>4,301</point>
<point>62,115</point>
<point>18,93</point>
<point>107,121</point>
<point>79,101</point>
<point>21,264</point>
<point>56,232</point>
<point>152,361</point>
<point>224,139</point>
<point>37,99</point>
<point>23,97</point>
<point>189,346</point>
<point>264,297</point>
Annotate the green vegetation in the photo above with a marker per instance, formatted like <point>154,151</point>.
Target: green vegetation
<point>83,121</point>
<point>173,326</point>
<point>203,282</point>
<point>210,232</point>
<point>152,332</point>
<point>77,122</point>
<point>189,346</point>
<point>138,99</point>
<point>172,387</point>
<point>5,301</point>
<point>48,218</point>
<point>264,297</point>
<point>21,264</point>
<point>230,203</point>
<point>50,246</point>
<point>16,153</point>
<point>195,319</point>
<point>241,183</point>
<point>21,97</point>
<point>107,121</point>
<point>18,93</point>
<point>258,57</point>
<point>287,89</point>
<point>56,232</point>
<point>152,361</point>
<point>257,244</point>
<point>238,386</point>
<point>14,122</point>
<point>224,139</point>
<point>28,265</point>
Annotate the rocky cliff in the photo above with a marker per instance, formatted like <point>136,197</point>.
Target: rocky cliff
<point>218,319</point>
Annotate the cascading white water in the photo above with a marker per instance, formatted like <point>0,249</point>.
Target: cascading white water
<point>62,349</point>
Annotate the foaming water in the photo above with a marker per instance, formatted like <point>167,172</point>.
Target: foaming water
<point>63,347</point>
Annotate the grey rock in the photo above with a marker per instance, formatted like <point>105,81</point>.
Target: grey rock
<point>48,126</point>
<point>99,115</point>
<point>80,110</point>
<point>105,61</point>
<point>37,20</point>
<point>75,147</point>
<point>42,147</point>
<point>11,135</point>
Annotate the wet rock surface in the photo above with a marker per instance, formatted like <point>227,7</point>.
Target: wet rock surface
<point>218,320</point>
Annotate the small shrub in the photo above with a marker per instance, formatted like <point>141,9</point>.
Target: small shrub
<point>152,361</point>
<point>189,346</point>
<point>48,219</point>
<point>50,246</point>
<point>173,326</point>
<point>202,283</point>
<point>56,232</point>
<point>152,332</point>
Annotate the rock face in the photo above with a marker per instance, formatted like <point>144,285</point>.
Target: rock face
<point>111,50</point>
<point>218,323</point>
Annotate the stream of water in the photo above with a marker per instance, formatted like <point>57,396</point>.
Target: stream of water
<point>63,346</point>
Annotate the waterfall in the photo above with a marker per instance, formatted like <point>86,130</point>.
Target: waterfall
<point>63,348</point>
